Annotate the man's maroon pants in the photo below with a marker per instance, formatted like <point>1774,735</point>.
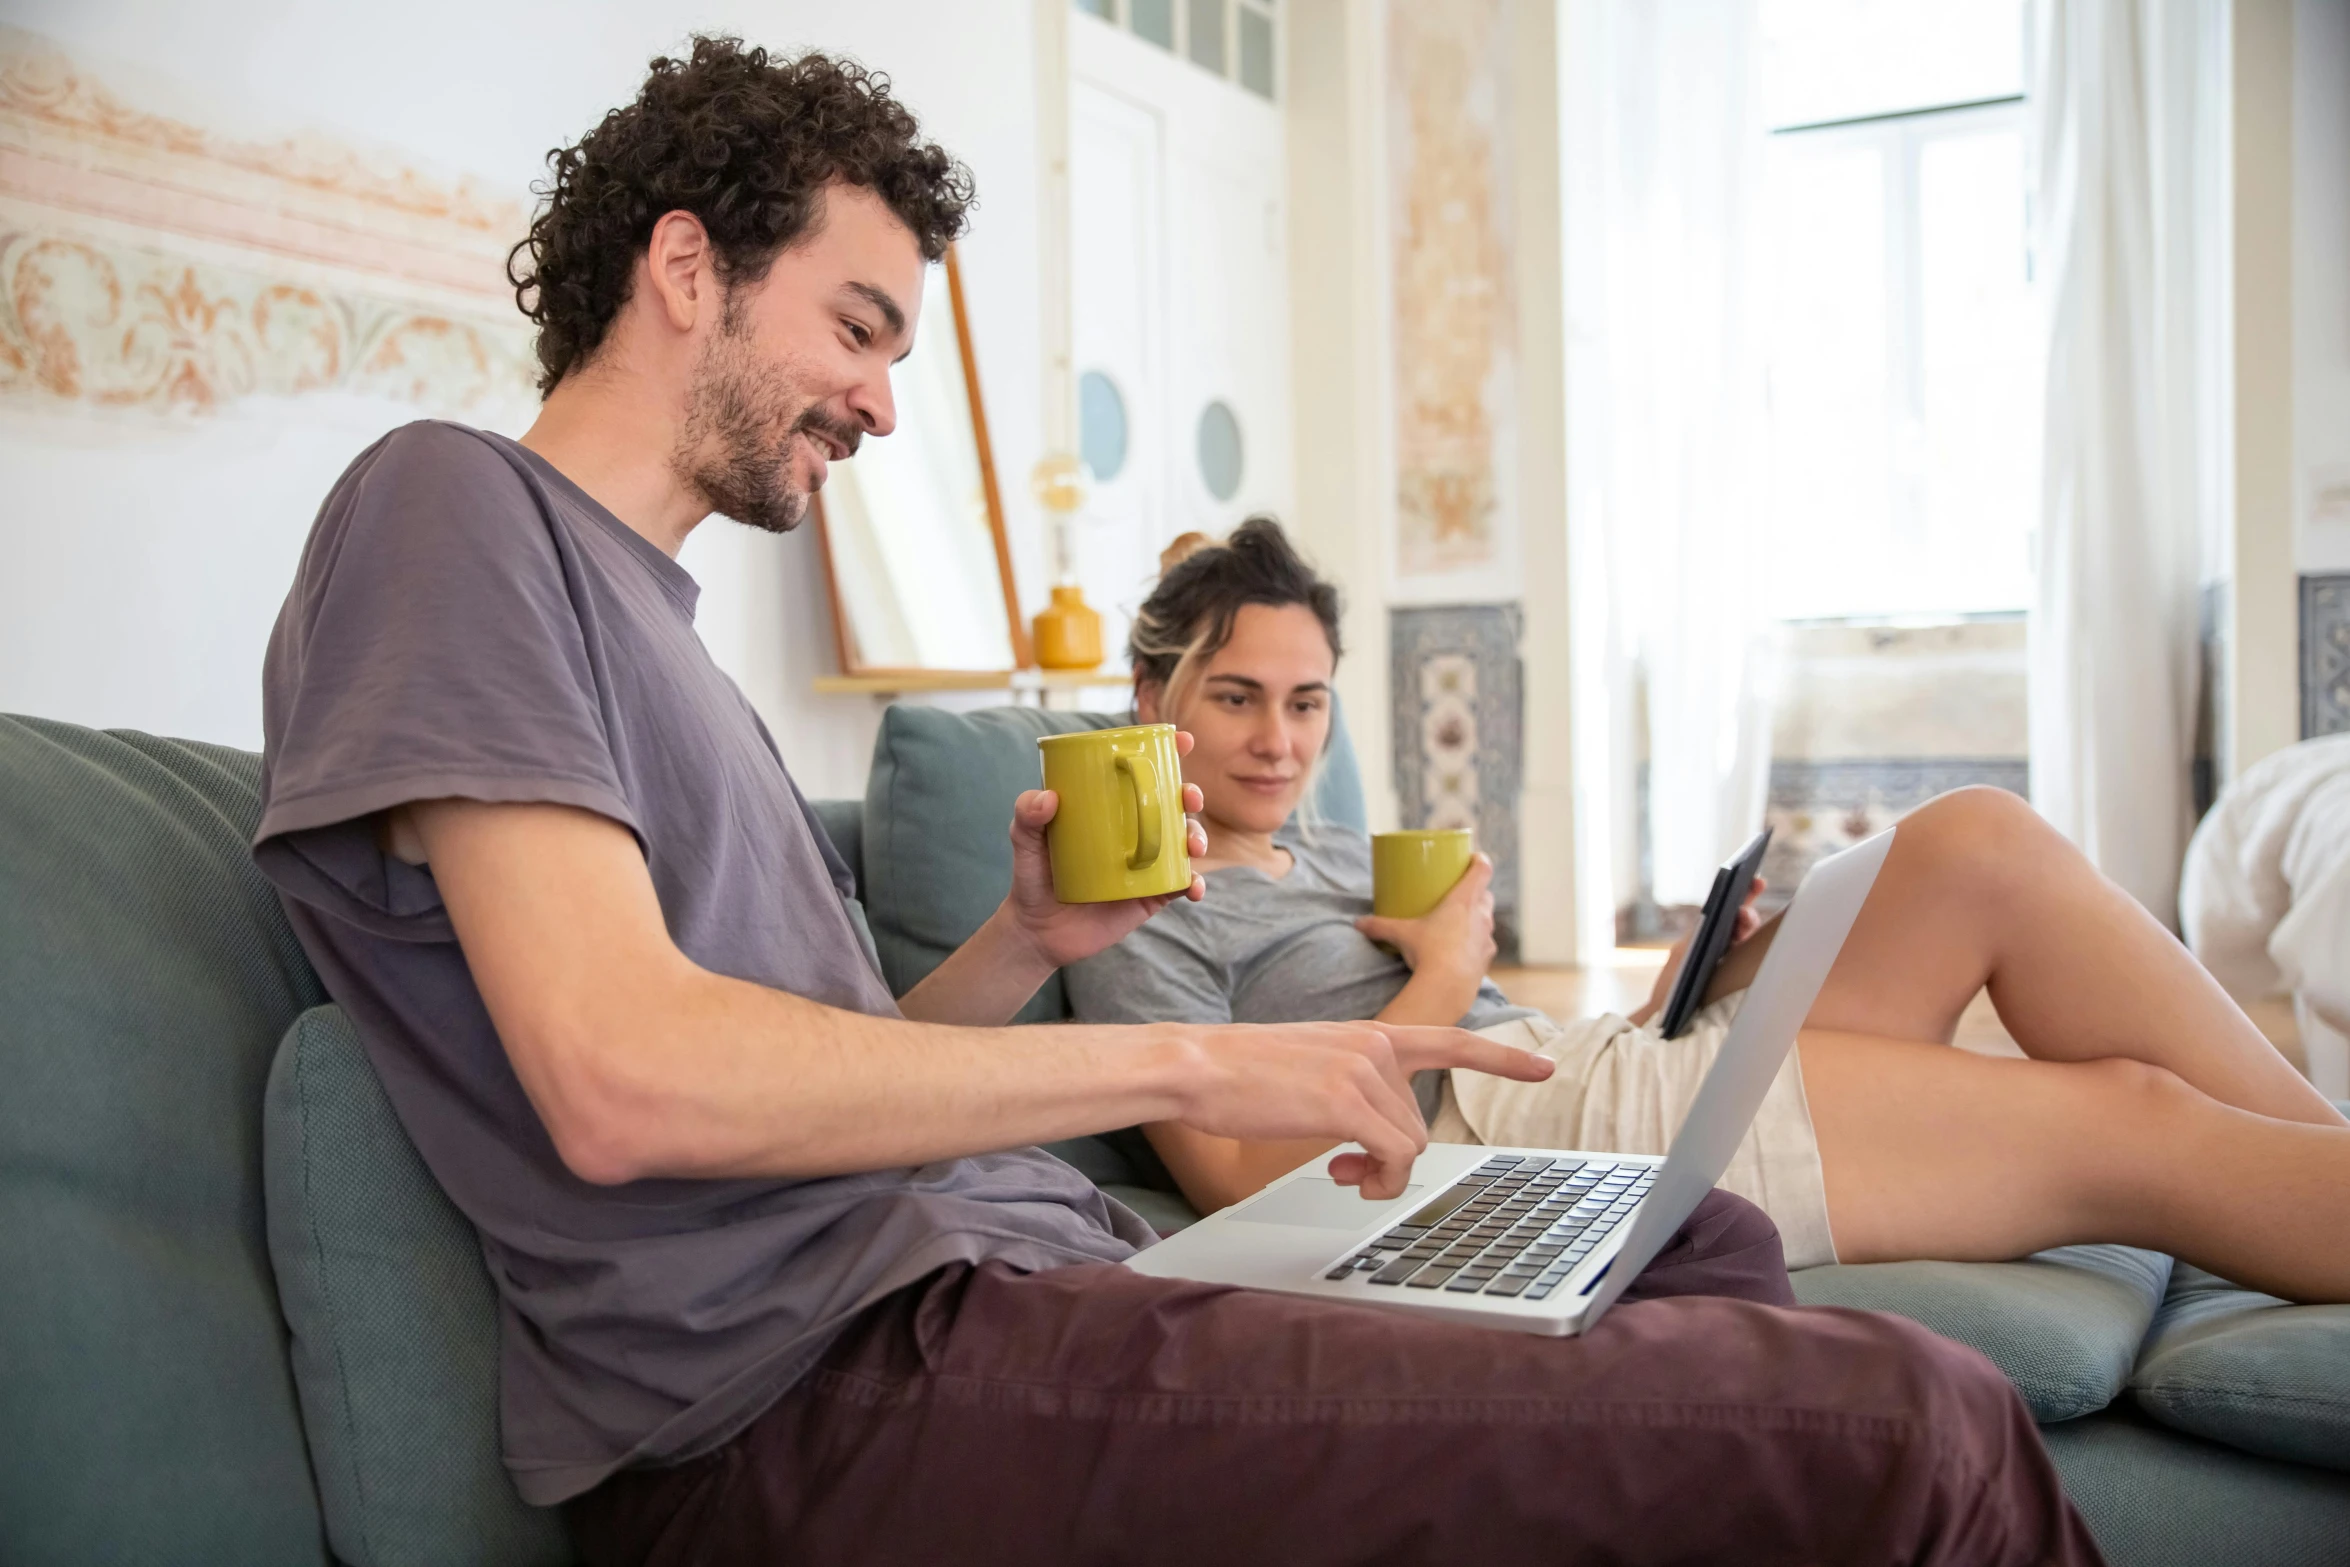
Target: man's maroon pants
<point>1091,1414</point>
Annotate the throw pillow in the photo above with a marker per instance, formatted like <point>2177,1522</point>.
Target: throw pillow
<point>395,1324</point>
<point>2249,1370</point>
<point>2064,1325</point>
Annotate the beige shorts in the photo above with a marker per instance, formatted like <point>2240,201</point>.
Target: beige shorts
<point>1626,1089</point>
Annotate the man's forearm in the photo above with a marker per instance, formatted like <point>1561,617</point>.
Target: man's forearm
<point>984,982</point>
<point>720,1077</point>
<point>640,1062</point>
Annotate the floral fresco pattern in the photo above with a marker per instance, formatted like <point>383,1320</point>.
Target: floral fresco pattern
<point>116,327</point>
<point>151,266</point>
<point>1453,307</point>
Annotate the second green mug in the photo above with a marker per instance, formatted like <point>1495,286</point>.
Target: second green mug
<point>1119,831</point>
<point>1412,871</point>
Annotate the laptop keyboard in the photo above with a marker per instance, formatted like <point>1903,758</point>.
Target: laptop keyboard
<point>1515,1227</point>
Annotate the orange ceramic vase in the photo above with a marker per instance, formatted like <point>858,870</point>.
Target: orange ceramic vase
<point>1068,632</point>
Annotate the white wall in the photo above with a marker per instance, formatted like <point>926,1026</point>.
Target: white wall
<point>142,560</point>
<point>2321,284</point>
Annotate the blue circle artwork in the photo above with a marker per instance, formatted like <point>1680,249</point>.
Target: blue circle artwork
<point>1219,450</point>
<point>1101,426</point>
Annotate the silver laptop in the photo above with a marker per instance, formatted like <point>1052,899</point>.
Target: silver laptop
<point>1541,1240</point>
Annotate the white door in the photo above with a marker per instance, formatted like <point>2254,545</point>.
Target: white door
<point>1180,300</point>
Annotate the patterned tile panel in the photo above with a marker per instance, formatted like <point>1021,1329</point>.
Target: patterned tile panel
<point>1816,808</point>
<point>1458,729</point>
<point>2325,655</point>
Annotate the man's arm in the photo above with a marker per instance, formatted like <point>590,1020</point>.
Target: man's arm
<point>641,1063</point>
<point>1032,932</point>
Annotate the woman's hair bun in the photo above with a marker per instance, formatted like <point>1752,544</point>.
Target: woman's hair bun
<point>1203,585</point>
<point>1182,548</point>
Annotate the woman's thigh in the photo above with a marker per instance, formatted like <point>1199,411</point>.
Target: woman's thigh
<point>1930,1151</point>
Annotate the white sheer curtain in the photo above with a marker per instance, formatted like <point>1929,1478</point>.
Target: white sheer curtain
<point>1664,152</point>
<point>2128,220</point>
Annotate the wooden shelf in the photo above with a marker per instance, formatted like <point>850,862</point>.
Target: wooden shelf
<point>893,682</point>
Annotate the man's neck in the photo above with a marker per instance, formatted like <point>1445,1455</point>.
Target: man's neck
<point>599,433</point>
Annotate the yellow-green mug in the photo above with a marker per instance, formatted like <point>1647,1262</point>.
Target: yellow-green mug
<point>1412,871</point>
<point>1119,831</point>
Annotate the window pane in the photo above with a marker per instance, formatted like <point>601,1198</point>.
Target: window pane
<point>1107,10</point>
<point>1152,19</point>
<point>1840,59</point>
<point>1979,383</point>
<point>1206,29</point>
<point>1256,52</point>
<point>1831,484</point>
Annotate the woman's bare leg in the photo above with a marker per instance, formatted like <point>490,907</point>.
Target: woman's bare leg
<point>1933,1152</point>
<point>1979,891</point>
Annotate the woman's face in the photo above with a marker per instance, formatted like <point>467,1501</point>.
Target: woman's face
<point>1258,715</point>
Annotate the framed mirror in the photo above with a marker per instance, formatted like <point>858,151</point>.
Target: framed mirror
<point>912,527</point>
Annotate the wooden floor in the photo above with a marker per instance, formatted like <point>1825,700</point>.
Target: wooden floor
<point>1624,982</point>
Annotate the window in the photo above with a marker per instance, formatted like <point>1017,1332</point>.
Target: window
<point>1230,38</point>
<point>1904,381</point>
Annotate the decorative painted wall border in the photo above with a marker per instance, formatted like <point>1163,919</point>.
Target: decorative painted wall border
<point>151,265</point>
<point>1457,685</point>
<point>114,326</point>
<point>70,144</point>
<point>2325,654</point>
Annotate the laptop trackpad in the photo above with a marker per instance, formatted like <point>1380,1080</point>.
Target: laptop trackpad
<point>1318,1203</point>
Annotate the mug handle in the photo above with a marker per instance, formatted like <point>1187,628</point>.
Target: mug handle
<point>1145,779</point>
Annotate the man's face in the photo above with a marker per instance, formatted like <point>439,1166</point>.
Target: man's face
<point>795,372</point>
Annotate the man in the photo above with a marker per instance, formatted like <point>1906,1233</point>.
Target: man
<point>770,1287</point>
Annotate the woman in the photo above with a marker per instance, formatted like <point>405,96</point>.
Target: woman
<point>2151,1111</point>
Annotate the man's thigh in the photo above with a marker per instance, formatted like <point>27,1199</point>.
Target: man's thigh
<point>1093,1414</point>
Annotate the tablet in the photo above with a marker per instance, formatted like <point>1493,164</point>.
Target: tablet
<point>1715,930</point>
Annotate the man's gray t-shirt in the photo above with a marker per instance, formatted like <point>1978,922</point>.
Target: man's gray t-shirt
<point>466,622</point>
<point>1258,949</point>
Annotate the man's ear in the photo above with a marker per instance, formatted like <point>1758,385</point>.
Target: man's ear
<point>680,280</point>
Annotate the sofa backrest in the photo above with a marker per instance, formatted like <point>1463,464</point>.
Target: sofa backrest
<point>934,859</point>
<point>147,1412</point>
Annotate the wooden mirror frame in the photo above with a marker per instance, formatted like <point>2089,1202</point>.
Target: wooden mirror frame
<point>844,643</point>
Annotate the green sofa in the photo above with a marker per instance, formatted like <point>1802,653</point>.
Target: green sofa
<point>239,1323</point>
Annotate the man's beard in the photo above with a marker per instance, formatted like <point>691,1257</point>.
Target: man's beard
<point>730,449</point>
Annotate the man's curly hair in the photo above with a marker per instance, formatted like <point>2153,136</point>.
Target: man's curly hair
<point>745,141</point>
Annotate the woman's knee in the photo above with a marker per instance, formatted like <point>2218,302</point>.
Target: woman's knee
<point>2136,1092</point>
<point>2116,1125</point>
<point>1978,835</point>
<point>1977,817</point>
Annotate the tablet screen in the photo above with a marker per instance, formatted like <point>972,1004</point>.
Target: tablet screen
<point>1715,928</point>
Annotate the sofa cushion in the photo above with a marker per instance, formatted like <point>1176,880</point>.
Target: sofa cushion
<point>2154,1498</point>
<point>146,973</point>
<point>395,1323</point>
<point>2064,1325</point>
<point>2249,1370</point>
<point>938,802</point>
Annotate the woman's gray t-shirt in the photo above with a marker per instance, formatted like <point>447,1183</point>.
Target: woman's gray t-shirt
<point>1258,949</point>
<point>467,622</point>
